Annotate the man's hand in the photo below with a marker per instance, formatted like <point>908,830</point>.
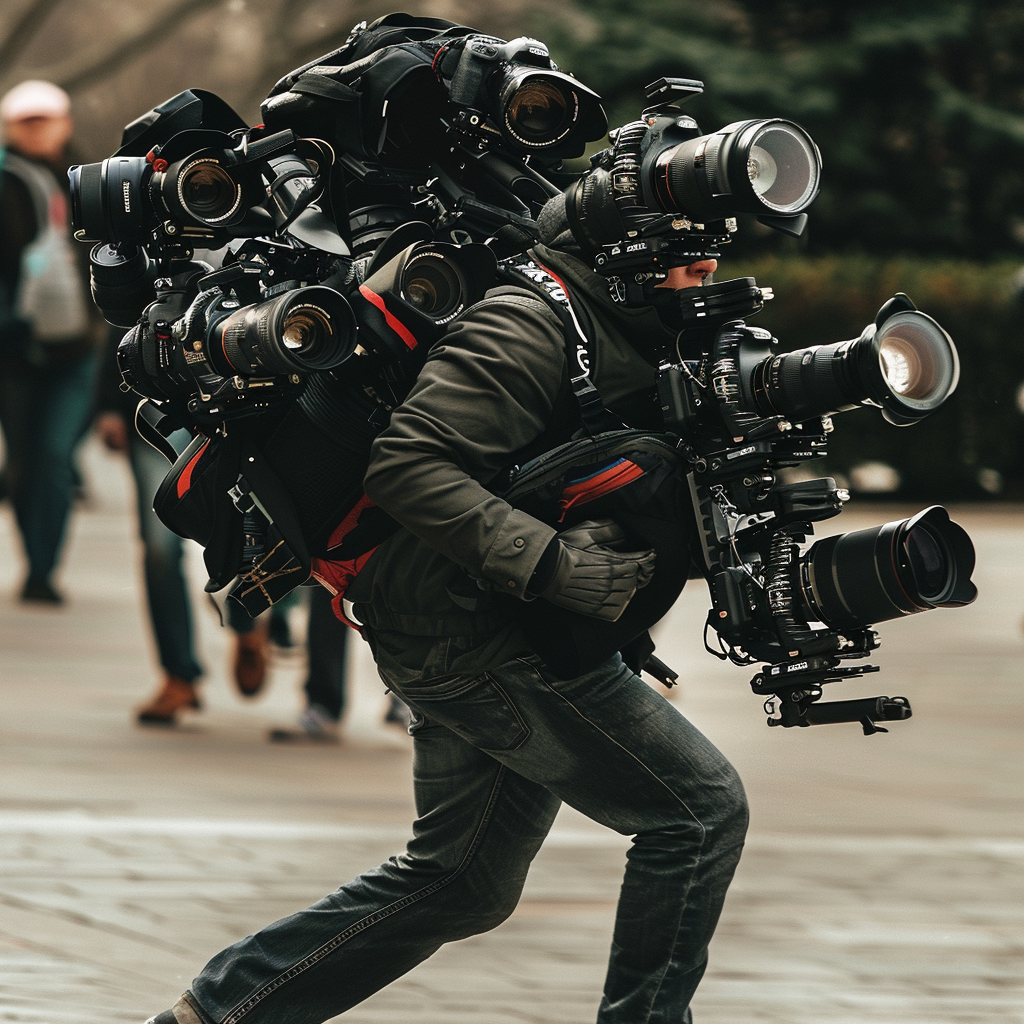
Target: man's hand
<point>591,576</point>
<point>112,431</point>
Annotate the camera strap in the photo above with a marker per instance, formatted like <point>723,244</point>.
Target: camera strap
<point>578,330</point>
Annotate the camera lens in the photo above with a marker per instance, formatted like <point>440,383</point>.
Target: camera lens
<point>305,330</point>
<point>853,580</point>
<point>908,367</point>
<point>207,192</point>
<point>768,167</point>
<point>108,203</point>
<point>917,360</point>
<point>538,111</point>
<point>546,111</point>
<point>782,168</point>
<point>434,286</point>
<point>298,331</point>
<point>928,556</point>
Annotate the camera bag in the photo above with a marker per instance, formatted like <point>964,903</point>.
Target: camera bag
<point>637,479</point>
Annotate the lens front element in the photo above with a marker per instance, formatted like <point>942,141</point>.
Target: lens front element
<point>434,286</point>
<point>853,580</point>
<point>782,167</point>
<point>538,111</point>
<point>207,192</point>
<point>918,361</point>
<point>305,330</point>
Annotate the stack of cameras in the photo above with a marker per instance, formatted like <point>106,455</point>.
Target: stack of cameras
<point>287,281</point>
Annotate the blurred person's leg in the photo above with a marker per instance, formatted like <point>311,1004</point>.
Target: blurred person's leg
<point>279,628</point>
<point>325,687</point>
<point>54,425</point>
<point>250,660</point>
<point>167,598</point>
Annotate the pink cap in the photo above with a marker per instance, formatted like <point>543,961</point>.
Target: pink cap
<point>34,98</point>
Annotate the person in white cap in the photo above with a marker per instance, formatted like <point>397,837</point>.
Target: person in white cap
<point>48,334</point>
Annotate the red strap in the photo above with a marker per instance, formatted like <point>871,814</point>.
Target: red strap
<point>392,321</point>
<point>185,477</point>
<point>337,577</point>
<point>592,487</point>
<point>342,530</point>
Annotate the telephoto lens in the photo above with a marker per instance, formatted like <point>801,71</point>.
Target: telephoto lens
<point>904,363</point>
<point>853,580</point>
<point>299,331</point>
<point>769,167</point>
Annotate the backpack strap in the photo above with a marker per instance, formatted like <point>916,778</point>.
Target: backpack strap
<point>579,332</point>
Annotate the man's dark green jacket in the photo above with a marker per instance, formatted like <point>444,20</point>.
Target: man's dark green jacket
<point>493,393</point>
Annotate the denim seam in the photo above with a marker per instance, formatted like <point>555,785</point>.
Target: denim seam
<point>236,1014</point>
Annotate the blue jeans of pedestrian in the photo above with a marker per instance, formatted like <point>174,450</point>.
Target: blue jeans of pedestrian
<point>44,413</point>
<point>170,609</point>
<point>495,755</point>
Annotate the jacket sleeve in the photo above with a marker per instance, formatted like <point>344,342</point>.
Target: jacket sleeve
<point>17,228</point>
<point>486,392</point>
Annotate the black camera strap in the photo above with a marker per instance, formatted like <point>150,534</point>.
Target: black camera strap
<point>579,333</point>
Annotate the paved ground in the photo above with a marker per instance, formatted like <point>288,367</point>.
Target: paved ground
<point>882,881</point>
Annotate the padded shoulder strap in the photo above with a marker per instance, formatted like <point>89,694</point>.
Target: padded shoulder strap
<point>579,333</point>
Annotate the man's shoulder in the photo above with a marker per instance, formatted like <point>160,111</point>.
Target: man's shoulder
<point>515,299</point>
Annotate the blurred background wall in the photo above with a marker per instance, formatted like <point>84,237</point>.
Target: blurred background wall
<point>918,108</point>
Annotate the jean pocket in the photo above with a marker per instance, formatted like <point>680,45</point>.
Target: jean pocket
<point>477,709</point>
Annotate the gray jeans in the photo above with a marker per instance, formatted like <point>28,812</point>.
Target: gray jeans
<point>495,754</point>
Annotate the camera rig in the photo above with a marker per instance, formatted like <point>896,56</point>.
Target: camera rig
<point>372,207</point>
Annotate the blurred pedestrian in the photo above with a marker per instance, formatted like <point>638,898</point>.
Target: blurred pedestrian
<point>48,334</point>
<point>166,584</point>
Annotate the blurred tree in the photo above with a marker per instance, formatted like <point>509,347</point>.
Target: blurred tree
<point>118,60</point>
<point>918,108</point>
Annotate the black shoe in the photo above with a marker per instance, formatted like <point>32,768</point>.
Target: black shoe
<point>40,592</point>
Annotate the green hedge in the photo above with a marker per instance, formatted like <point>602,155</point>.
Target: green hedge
<point>972,448</point>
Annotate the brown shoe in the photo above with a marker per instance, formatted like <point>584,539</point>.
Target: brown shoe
<point>252,653</point>
<point>173,696</point>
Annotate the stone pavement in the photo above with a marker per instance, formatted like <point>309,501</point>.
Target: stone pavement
<point>882,880</point>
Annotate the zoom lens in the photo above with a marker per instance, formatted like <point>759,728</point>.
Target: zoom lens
<point>301,330</point>
<point>769,167</point>
<point>853,580</point>
<point>908,367</point>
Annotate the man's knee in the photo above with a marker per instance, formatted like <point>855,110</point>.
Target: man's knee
<point>481,908</point>
<point>731,812</point>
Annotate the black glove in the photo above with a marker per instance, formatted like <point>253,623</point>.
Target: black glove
<point>585,573</point>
